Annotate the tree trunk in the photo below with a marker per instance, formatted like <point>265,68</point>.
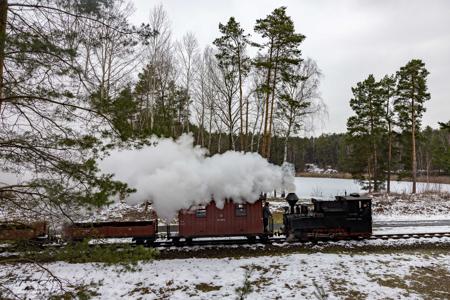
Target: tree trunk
<point>388,187</point>
<point>246,124</point>
<point>274,82</point>
<point>252,139</point>
<point>288,133</point>
<point>3,19</point>
<point>266,104</point>
<point>285,148</point>
<point>210,130</point>
<point>376,188</point>
<point>413,136</point>
<point>374,148</point>
<point>369,175</point>
<point>258,142</point>
<point>230,128</point>
<point>241,107</point>
<point>219,141</point>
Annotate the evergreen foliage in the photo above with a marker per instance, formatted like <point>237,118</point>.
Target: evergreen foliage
<point>281,53</point>
<point>53,119</point>
<point>235,65</point>
<point>366,130</point>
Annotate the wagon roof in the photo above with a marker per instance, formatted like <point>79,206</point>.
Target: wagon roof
<point>350,198</point>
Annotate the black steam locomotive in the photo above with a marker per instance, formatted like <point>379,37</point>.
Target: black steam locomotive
<point>345,217</point>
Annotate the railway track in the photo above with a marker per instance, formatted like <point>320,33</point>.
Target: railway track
<point>409,235</point>
<point>282,240</point>
<point>275,240</point>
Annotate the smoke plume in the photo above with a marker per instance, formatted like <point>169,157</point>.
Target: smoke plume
<point>175,174</point>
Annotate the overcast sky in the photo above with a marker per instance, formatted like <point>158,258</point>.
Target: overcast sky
<point>348,39</point>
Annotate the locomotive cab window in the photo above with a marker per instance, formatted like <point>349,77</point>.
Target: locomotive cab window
<point>201,212</point>
<point>241,210</point>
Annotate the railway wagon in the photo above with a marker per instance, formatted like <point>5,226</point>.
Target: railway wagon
<point>23,231</point>
<point>344,217</point>
<point>235,219</point>
<point>142,232</point>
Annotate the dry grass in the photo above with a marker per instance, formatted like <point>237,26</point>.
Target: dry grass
<point>342,289</point>
<point>431,283</point>
<point>206,287</point>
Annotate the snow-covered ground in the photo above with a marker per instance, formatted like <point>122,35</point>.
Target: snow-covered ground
<point>314,169</point>
<point>425,206</point>
<point>411,275</point>
<point>307,187</point>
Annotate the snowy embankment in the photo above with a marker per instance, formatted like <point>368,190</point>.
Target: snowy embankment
<point>409,275</point>
<point>424,206</point>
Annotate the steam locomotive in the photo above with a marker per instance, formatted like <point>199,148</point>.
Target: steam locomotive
<point>345,217</point>
<point>341,218</point>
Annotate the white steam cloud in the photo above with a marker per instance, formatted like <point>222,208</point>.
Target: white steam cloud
<point>175,175</point>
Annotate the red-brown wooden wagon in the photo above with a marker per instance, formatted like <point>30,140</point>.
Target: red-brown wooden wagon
<point>23,231</point>
<point>141,231</point>
<point>235,219</point>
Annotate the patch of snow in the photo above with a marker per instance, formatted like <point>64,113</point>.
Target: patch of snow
<point>412,230</point>
<point>294,276</point>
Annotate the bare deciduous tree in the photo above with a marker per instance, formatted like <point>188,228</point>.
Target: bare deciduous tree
<point>187,54</point>
<point>299,99</point>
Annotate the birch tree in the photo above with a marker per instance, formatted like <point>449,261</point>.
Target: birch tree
<point>187,54</point>
<point>299,98</point>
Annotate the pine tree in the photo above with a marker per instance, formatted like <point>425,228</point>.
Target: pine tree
<point>366,130</point>
<point>411,94</point>
<point>445,126</point>
<point>49,127</point>
<point>281,46</point>
<point>231,56</point>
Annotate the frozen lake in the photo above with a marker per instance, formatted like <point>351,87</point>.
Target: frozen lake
<point>308,187</point>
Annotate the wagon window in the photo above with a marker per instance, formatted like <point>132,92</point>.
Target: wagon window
<point>201,212</point>
<point>241,210</point>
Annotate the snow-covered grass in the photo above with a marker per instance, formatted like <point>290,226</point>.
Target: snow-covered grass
<point>423,206</point>
<point>293,276</point>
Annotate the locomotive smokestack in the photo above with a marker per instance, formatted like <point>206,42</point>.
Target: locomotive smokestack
<point>292,199</point>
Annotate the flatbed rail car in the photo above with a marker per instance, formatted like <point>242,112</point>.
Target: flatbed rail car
<point>142,232</point>
<point>344,217</point>
<point>234,219</point>
<point>14,231</point>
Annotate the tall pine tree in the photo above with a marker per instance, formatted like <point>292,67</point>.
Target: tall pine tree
<point>281,53</point>
<point>231,56</point>
<point>411,94</point>
<point>366,130</point>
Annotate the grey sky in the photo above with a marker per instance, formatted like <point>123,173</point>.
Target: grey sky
<point>348,39</point>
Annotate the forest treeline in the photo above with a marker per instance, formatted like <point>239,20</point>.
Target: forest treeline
<point>334,151</point>
<point>78,79</point>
